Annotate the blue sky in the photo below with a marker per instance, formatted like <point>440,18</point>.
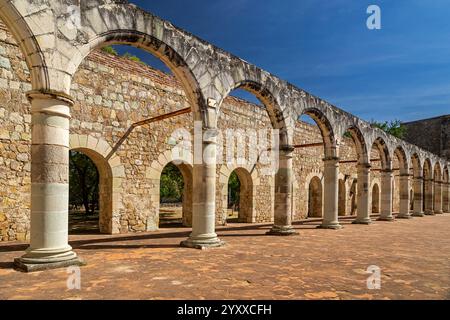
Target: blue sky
<point>399,72</point>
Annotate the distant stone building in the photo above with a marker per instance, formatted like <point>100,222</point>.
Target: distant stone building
<point>431,134</point>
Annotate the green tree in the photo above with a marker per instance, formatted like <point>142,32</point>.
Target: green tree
<point>394,127</point>
<point>110,50</point>
<point>171,185</point>
<point>84,179</point>
<point>234,186</point>
<point>134,58</point>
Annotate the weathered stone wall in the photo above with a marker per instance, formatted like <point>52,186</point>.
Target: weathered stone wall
<point>110,94</point>
<point>431,134</point>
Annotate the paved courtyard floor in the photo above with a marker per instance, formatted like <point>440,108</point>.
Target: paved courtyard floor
<point>414,257</point>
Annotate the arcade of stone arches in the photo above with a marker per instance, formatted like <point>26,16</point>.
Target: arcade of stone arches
<point>53,53</point>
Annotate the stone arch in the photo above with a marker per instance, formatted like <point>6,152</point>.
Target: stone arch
<point>183,161</point>
<point>416,166</point>
<point>400,153</point>
<point>383,150</point>
<point>360,142</point>
<point>249,180</point>
<point>375,191</point>
<point>267,98</point>
<point>27,40</point>
<point>315,197</point>
<point>123,23</point>
<point>111,173</point>
<point>326,129</point>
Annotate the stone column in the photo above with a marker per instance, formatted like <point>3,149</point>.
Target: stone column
<point>418,197</point>
<point>429,196</point>
<point>363,204</point>
<point>445,198</point>
<point>404,197</point>
<point>387,176</point>
<point>438,197</point>
<point>49,246</point>
<point>331,194</point>
<point>204,197</point>
<point>283,195</point>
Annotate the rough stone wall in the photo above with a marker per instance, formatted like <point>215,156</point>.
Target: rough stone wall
<point>431,134</point>
<point>110,94</point>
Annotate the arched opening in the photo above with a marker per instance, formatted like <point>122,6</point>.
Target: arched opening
<point>375,198</point>
<point>175,207</point>
<point>341,198</point>
<point>240,197</point>
<point>417,172</point>
<point>315,198</point>
<point>353,196</point>
<point>90,192</point>
<point>354,159</point>
<point>381,168</point>
<point>250,146</point>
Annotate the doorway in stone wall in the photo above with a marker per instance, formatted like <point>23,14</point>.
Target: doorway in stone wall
<point>175,197</point>
<point>240,197</point>
<point>315,198</point>
<point>89,193</point>
<point>375,198</point>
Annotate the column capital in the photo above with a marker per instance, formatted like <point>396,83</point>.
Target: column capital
<point>387,171</point>
<point>287,148</point>
<point>50,102</point>
<point>50,95</point>
<point>364,165</point>
<point>331,159</point>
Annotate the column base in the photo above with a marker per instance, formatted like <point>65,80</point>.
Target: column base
<point>20,265</point>
<point>366,221</point>
<point>404,216</point>
<point>44,259</point>
<point>202,243</point>
<point>418,214</point>
<point>332,226</point>
<point>430,213</point>
<point>439,212</point>
<point>282,231</point>
<point>388,219</point>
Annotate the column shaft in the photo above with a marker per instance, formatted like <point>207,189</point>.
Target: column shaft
<point>331,194</point>
<point>363,205</point>
<point>404,197</point>
<point>204,197</point>
<point>387,177</point>
<point>283,194</point>
<point>438,197</point>
<point>49,246</point>
<point>429,196</point>
<point>418,197</point>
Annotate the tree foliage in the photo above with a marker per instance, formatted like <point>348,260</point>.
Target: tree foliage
<point>134,58</point>
<point>110,50</point>
<point>84,179</point>
<point>234,186</point>
<point>171,185</point>
<point>394,127</point>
